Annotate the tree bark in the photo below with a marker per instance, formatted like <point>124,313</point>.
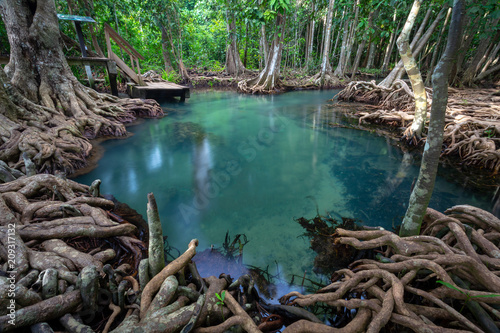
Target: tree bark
<point>234,65</point>
<point>268,81</point>
<point>54,114</point>
<point>390,46</point>
<point>352,33</point>
<point>362,46</point>
<point>164,50</point>
<point>435,52</point>
<point>491,58</point>
<point>413,73</point>
<point>417,45</point>
<point>470,72</point>
<point>340,70</point>
<point>325,63</point>
<point>422,192</point>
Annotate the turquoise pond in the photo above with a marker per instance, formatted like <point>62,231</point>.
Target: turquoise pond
<point>249,165</point>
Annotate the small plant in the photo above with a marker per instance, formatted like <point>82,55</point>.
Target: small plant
<point>220,302</point>
<point>467,295</point>
<point>490,132</point>
<point>171,76</point>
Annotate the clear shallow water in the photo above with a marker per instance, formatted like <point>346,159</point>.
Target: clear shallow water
<point>261,161</point>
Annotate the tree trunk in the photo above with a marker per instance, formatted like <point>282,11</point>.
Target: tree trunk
<point>263,43</point>
<point>411,67</point>
<point>60,111</point>
<point>491,58</point>
<point>340,70</point>
<point>390,46</point>
<point>352,33</point>
<point>371,55</point>
<point>422,192</point>
<point>467,39</point>
<point>362,46</point>
<point>234,65</point>
<point>437,46</point>
<point>164,50</point>
<point>472,69</point>
<point>416,48</point>
<point>268,81</point>
<point>325,63</point>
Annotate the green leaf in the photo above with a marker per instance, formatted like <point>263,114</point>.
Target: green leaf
<point>449,285</point>
<point>221,296</point>
<point>483,296</point>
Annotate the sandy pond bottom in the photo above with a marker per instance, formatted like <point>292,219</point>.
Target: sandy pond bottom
<point>249,165</point>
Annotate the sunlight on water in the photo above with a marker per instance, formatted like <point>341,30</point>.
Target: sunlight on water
<point>251,164</point>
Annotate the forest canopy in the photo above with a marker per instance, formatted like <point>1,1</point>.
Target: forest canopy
<point>361,34</point>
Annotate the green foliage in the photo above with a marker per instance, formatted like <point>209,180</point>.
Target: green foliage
<point>467,295</point>
<point>171,76</point>
<point>489,132</point>
<point>220,301</point>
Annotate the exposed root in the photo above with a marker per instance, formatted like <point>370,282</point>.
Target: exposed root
<point>414,284</point>
<point>472,129</point>
<point>55,133</point>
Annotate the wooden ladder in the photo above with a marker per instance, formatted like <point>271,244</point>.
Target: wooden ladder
<point>109,34</point>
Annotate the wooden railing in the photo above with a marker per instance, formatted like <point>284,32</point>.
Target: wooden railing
<point>125,46</point>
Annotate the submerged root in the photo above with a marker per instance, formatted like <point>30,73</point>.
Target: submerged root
<point>416,283</point>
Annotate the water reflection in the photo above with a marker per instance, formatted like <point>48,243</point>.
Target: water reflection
<point>253,165</point>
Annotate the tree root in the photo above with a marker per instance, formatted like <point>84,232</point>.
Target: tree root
<point>413,265</point>
<point>472,126</point>
<point>55,133</point>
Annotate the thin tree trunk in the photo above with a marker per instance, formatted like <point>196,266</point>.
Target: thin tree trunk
<point>397,71</point>
<point>421,194</point>
<point>490,71</point>
<point>371,55</point>
<point>437,46</point>
<point>309,44</point>
<point>413,73</point>
<point>245,53</point>
<point>233,60</point>
<point>467,39</point>
<point>390,46</point>
<point>325,63</point>
<point>473,67</point>
<point>339,33</point>
<point>491,58</point>
<point>322,45</point>
<point>417,47</point>
<point>352,33</point>
<point>263,43</point>
<point>268,80</point>
<point>362,46</point>
<point>340,70</point>
<point>164,50</point>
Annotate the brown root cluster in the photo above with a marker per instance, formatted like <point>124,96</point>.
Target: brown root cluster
<point>56,136</point>
<point>444,280</point>
<point>58,238</point>
<point>69,262</point>
<point>472,130</point>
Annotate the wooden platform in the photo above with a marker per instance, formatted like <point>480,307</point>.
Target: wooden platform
<point>160,91</point>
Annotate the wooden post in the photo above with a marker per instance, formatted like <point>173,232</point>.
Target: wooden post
<point>84,52</point>
<point>112,73</point>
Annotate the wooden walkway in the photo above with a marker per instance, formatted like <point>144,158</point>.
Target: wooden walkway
<point>160,91</point>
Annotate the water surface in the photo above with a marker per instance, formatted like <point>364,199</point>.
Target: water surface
<point>251,164</point>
